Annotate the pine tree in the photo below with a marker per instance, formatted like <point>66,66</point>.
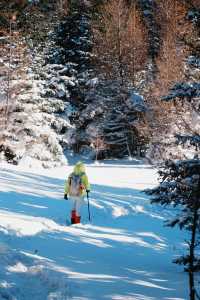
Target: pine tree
<point>13,70</point>
<point>33,128</point>
<point>121,128</point>
<point>180,188</point>
<point>71,51</point>
<point>67,69</point>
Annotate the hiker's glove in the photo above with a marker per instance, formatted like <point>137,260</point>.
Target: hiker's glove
<point>87,191</point>
<point>65,197</point>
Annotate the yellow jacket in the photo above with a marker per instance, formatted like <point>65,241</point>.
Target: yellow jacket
<point>79,169</point>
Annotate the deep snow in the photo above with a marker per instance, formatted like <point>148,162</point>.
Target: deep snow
<point>124,253</point>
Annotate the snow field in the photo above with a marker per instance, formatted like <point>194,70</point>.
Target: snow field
<point>124,253</point>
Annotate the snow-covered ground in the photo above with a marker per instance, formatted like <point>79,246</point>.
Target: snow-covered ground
<point>124,253</point>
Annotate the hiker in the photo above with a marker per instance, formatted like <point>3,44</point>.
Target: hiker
<point>76,187</point>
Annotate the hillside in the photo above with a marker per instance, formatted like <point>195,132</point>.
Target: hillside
<point>88,77</point>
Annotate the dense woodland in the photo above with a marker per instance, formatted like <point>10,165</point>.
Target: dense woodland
<point>91,77</point>
<point>107,79</point>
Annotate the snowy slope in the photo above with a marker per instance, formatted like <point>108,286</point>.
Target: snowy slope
<point>124,253</point>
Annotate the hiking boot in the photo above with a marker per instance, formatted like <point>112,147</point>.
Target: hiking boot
<point>77,219</point>
<point>73,217</point>
<point>73,220</point>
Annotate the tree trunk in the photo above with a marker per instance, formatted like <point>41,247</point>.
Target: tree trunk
<point>191,286</point>
<point>119,41</point>
<point>192,256</point>
<point>8,76</point>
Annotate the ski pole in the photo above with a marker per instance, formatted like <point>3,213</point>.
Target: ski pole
<point>88,206</point>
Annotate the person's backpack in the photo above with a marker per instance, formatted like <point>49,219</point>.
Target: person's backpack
<point>75,185</point>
